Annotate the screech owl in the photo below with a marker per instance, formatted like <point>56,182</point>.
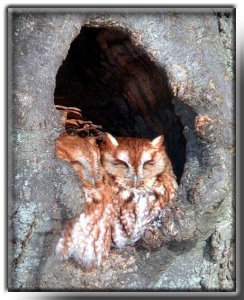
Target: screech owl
<point>142,181</point>
<point>87,237</point>
<point>84,155</point>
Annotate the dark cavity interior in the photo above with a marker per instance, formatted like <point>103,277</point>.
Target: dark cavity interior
<point>116,84</point>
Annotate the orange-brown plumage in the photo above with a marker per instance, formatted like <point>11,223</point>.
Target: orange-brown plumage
<point>87,237</point>
<point>142,181</point>
<point>127,182</point>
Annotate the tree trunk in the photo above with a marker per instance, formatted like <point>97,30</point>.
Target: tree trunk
<point>184,78</point>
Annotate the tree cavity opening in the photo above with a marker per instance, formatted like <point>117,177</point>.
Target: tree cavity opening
<point>117,85</point>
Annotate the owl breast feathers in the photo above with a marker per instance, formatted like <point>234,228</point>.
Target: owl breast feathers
<point>127,184</point>
<point>142,182</point>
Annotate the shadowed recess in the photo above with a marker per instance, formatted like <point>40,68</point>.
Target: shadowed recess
<point>116,84</point>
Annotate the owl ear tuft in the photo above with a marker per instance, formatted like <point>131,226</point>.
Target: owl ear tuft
<point>158,141</point>
<point>111,140</point>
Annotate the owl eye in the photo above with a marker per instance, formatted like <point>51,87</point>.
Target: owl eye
<point>149,163</point>
<point>119,162</point>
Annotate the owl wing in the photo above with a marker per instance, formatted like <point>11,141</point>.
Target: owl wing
<point>165,215</point>
<point>87,238</point>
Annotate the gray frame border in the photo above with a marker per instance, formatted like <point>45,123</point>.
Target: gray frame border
<point>239,67</point>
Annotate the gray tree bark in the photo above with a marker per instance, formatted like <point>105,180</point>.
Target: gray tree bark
<point>197,50</point>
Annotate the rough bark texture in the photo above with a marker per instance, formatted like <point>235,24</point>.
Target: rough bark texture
<point>196,51</point>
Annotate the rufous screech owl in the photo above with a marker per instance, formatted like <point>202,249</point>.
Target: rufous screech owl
<point>142,182</point>
<point>127,182</point>
<point>87,237</point>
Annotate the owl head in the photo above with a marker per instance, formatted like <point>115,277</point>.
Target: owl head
<point>83,154</point>
<point>133,162</point>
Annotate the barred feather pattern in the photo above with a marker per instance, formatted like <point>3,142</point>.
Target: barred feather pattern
<point>143,184</point>
<point>87,238</point>
<point>128,184</point>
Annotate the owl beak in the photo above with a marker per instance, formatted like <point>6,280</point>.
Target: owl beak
<point>92,181</point>
<point>135,180</point>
